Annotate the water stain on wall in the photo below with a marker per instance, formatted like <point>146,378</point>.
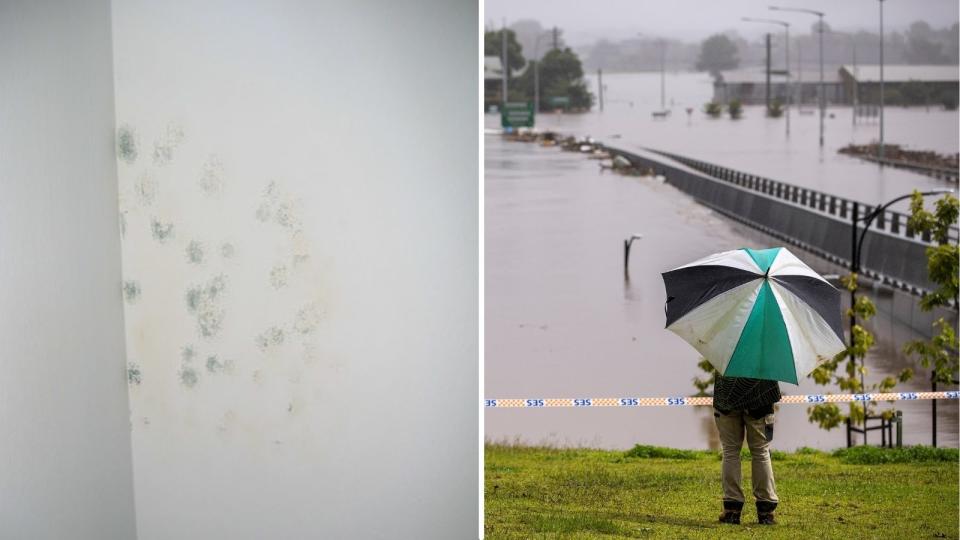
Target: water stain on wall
<point>204,301</point>
<point>194,252</point>
<point>131,291</point>
<point>161,231</point>
<point>127,144</point>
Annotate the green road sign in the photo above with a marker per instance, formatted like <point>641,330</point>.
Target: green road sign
<point>559,101</point>
<point>517,114</point>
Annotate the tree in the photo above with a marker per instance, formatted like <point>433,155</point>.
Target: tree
<point>561,75</point>
<point>493,45</point>
<point>717,53</point>
<point>943,266</point>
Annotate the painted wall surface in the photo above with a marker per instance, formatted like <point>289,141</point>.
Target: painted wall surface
<point>298,199</point>
<point>65,460</point>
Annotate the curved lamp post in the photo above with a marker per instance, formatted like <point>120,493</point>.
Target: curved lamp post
<point>823,95</point>
<point>786,29</point>
<point>857,248</point>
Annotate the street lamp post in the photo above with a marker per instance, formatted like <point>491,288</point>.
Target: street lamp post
<point>786,30</point>
<point>855,256</point>
<point>536,73</point>
<point>823,95</point>
<point>881,149</point>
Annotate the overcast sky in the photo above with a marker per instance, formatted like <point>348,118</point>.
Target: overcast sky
<point>586,21</point>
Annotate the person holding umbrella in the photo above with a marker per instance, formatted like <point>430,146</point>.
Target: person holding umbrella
<point>759,316</point>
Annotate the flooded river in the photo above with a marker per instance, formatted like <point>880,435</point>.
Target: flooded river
<point>561,320</point>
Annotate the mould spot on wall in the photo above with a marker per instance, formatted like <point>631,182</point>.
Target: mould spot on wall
<point>164,146</point>
<point>279,208</point>
<point>270,339</point>
<point>161,231</point>
<point>194,252</point>
<point>204,302</point>
<point>189,377</point>
<point>278,276</point>
<point>127,144</point>
<point>308,319</point>
<point>134,377</point>
<point>146,188</point>
<point>123,224</point>
<point>214,365</point>
<point>187,353</point>
<point>131,291</point>
<point>211,177</point>
<point>227,250</point>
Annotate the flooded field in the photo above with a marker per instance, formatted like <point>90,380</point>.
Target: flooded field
<point>561,319</point>
<point>757,144</point>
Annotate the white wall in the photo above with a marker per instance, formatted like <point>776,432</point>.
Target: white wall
<point>298,184</point>
<point>65,468</point>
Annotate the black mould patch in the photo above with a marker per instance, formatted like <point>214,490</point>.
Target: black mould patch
<point>279,208</point>
<point>211,176</point>
<point>308,319</point>
<point>194,252</point>
<point>270,339</point>
<point>205,301</point>
<point>164,146</point>
<point>161,231</point>
<point>127,144</point>
<point>227,250</point>
<point>134,376</point>
<point>131,291</point>
<point>187,354</point>
<point>189,377</point>
<point>146,188</point>
<point>214,365</point>
<point>278,276</point>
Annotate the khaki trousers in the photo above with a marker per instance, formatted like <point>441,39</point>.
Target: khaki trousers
<point>759,433</point>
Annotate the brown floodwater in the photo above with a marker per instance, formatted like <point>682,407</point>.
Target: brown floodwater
<point>561,320</point>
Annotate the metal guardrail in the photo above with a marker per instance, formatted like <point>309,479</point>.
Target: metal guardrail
<point>889,221</point>
<point>811,220</point>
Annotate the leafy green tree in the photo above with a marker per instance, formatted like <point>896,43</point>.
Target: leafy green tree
<point>717,53</point>
<point>493,45</point>
<point>561,75</point>
<point>943,265</point>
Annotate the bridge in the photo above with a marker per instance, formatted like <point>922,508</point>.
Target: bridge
<point>814,221</point>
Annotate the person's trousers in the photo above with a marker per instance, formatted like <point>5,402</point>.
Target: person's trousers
<point>733,426</point>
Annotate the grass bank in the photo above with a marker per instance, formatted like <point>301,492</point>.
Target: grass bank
<point>652,492</point>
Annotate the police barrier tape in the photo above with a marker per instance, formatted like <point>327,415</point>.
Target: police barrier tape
<point>708,401</point>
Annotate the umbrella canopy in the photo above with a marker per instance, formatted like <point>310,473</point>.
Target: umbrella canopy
<point>760,313</point>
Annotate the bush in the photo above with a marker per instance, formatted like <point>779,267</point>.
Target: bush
<point>713,109</point>
<point>735,108</point>
<point>775,110</point>
<point>647,451</point>
<point>872,455</point>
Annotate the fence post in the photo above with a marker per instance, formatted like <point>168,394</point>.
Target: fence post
<point>849,440</point>
<point>900,429</point>
<point>933,405</point>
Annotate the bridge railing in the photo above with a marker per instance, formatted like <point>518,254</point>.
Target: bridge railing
<point>890,221</point>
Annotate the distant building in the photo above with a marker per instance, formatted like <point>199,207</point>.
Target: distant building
<point>903,85</point>
<point>749,86</point>
<point>492,81</point>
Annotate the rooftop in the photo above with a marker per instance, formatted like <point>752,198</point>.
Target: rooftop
<point>871,73</point>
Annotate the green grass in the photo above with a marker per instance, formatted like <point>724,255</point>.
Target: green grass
<point>655,492</point>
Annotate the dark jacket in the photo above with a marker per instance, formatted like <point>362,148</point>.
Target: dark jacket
<point>756,396</point>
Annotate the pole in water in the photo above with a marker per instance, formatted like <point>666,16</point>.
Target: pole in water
<point>505,69</point>
<point>600,87</point>
<point>767,94</point>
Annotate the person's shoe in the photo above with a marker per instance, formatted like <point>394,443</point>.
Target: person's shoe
<point>766,518</point>
<point>730,516</point>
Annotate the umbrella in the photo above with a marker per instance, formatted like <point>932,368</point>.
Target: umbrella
<point>761,313</point>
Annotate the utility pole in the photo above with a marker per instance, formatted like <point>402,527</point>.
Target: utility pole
<point>600,87</point>
<point>855,89</point>
<point>503,59</point>
<point>822,90</point>
<point>663,83</point>
<point>767,96</point>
